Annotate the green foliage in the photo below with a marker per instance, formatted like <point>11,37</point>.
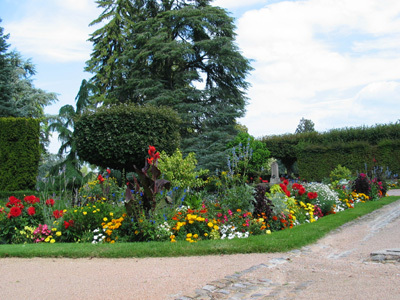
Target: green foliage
<point>340,173</point>
<point>19,153</point>
<point>118,136</point>
<point>157,52</point>
<point>238,197</point>
<point>181,171</point>
<point>258,159</point>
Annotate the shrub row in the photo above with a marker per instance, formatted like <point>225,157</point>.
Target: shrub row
<point>317,154</point>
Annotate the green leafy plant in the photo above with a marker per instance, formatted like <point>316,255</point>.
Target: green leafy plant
<point>181,171</point>
<point>340,173</point>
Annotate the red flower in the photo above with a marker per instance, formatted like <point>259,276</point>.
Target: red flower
<point>58,213</point>
<point>286,182</point>
<point>312,195</point>
<point>153,155</point>
<point>100,178</point>
<point>31,211</point>
<point>296,186</point>
<point>50,202</point>
<point>31,199</point>
<point>15,211</point>
<point>274,218</point>
<point>151,150</point>
<point>12,201</point>
<point>68,224</point>
<point>302,190</point>
<point>108,171</point>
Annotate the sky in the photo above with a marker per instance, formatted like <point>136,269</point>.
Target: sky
<point>335,62</point>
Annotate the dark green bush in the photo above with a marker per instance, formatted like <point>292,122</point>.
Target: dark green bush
<point>118,136</point>
<point>19,153</point>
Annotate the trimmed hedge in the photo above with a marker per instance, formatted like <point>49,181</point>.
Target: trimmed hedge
<point>19,153</point>
<point>317,154</point>
<point>315,162</point>
<point>118,136</point>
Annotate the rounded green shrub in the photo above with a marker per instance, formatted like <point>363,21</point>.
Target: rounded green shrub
<point>118,136</point>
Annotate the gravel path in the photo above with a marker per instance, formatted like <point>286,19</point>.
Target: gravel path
<point>338,266</point>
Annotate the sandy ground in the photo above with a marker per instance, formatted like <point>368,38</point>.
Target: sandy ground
<point>336,267</point>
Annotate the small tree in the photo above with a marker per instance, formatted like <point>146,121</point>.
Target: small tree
<point>305,125</point>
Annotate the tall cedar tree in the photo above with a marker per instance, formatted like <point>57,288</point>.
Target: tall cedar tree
<point>176,53</point>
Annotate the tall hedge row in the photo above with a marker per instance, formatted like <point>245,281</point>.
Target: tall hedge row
<point>19,153</point>
<point>317,154</point>
<point>118,136</point>
<point>315,162</point>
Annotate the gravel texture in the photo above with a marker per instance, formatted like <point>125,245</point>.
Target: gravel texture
<point>338,266</point>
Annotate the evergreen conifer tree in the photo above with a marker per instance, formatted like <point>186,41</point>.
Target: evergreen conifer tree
<point>176,53</point>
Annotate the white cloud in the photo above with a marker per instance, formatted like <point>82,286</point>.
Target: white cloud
<point>57,31</point>
<point>319,59</point>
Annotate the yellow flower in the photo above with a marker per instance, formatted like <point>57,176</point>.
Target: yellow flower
<point>189,235</point>
<point>54,229</point>
<point>195,236</point>
<point>105,219</point>
<point>173,241</point>
<point>268,231</point>
<point>47,240</point>
<point>210,224</point>
<point>58,233</point>
<point>84,213</point>
<point>75,211</point>
<point>52,241</point>
<point>111,214</point>
<point>64,210</point>
<point>136,231</point>
<point>112,242</point>
<point>216,227</point>
<point>205,234</point>
<point>172,237</point>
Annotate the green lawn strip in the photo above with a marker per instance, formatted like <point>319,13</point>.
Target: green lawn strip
<point>281,241</point>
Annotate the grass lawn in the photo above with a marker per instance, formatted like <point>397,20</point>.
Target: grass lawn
<point>281,241</point>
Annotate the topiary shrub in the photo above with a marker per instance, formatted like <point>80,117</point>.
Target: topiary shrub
<point>118,136</point>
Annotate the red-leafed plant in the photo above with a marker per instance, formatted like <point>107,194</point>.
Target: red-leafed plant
<point>148,184</point>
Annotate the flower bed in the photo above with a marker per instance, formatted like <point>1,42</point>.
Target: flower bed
<point>150,209</point>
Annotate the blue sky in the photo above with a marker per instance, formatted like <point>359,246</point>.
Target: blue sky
<point>336,62</point>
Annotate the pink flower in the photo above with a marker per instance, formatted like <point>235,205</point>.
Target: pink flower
<point>230,212</point>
